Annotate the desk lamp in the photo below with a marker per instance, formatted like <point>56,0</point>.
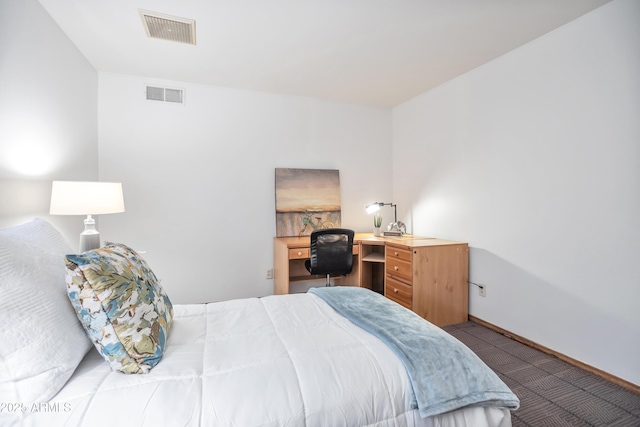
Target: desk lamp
<point>395,228</point>
<point>86,198</point>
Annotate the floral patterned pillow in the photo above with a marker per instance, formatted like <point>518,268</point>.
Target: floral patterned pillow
<point>121,306</point>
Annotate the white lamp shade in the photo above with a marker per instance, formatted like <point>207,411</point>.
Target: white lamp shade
<point>86,198</point>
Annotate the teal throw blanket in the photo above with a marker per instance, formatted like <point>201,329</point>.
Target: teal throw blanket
<point>444,373</point>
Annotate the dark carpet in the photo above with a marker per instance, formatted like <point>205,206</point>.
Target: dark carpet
<point>552,392</point>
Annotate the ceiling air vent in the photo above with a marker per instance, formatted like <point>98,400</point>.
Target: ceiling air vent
<point>165,94</point>
<point>165,27</point>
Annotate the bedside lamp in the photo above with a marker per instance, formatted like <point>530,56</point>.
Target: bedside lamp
<point>86,198</point>
<point>396,228</point>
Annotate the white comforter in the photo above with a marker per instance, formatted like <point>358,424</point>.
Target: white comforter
<point>276,361</point>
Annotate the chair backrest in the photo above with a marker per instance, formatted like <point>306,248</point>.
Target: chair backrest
<point>331,251</point>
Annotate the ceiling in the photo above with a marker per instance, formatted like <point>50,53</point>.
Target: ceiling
<point>376,52</point>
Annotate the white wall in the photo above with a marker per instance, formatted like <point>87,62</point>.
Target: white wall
<point>48,115</point>
<point>199,179</point>
<point>534,159</point>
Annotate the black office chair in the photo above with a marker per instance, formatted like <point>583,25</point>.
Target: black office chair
<point>331,252</point>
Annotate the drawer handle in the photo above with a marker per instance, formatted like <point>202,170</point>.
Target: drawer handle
<point>395,267</point>
<point>299,253</point>
<point>396,253</point>
<point>395,290</point>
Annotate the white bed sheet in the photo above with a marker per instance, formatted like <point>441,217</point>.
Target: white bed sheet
<point>276,361</point>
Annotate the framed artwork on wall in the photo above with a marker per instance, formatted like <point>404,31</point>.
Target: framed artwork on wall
<point>306,199</point>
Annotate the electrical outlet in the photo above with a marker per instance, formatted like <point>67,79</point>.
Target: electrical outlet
<point>270,273</point>
<point>483,290</point>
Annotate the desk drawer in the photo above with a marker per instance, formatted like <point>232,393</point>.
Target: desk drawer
<point>394,252</point>
<point>304,253</point>
<point>398,269</point>
<point>399,292</point>
<point>299,253</point>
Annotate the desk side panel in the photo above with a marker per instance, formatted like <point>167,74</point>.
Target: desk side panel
<point>280,267</point>
<point>441,292</point>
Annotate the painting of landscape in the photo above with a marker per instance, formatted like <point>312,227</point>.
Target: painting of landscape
<point>306,199</point>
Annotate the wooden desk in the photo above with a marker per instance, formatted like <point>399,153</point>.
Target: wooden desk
<point>427,275</point>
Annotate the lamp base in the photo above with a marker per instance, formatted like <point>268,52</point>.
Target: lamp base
<point>90,237</point>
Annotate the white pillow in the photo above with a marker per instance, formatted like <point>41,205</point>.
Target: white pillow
<point>41,339</point>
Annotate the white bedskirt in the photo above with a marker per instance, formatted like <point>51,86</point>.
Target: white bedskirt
<point>286,360</point>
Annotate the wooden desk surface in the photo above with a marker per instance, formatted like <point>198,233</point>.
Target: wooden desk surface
<point>368,238</point>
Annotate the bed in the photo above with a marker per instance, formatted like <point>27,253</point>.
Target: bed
<point>313,359</point>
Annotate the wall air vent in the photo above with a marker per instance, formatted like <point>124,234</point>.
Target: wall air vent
<point>165,94</point>
<point>165,27</point>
